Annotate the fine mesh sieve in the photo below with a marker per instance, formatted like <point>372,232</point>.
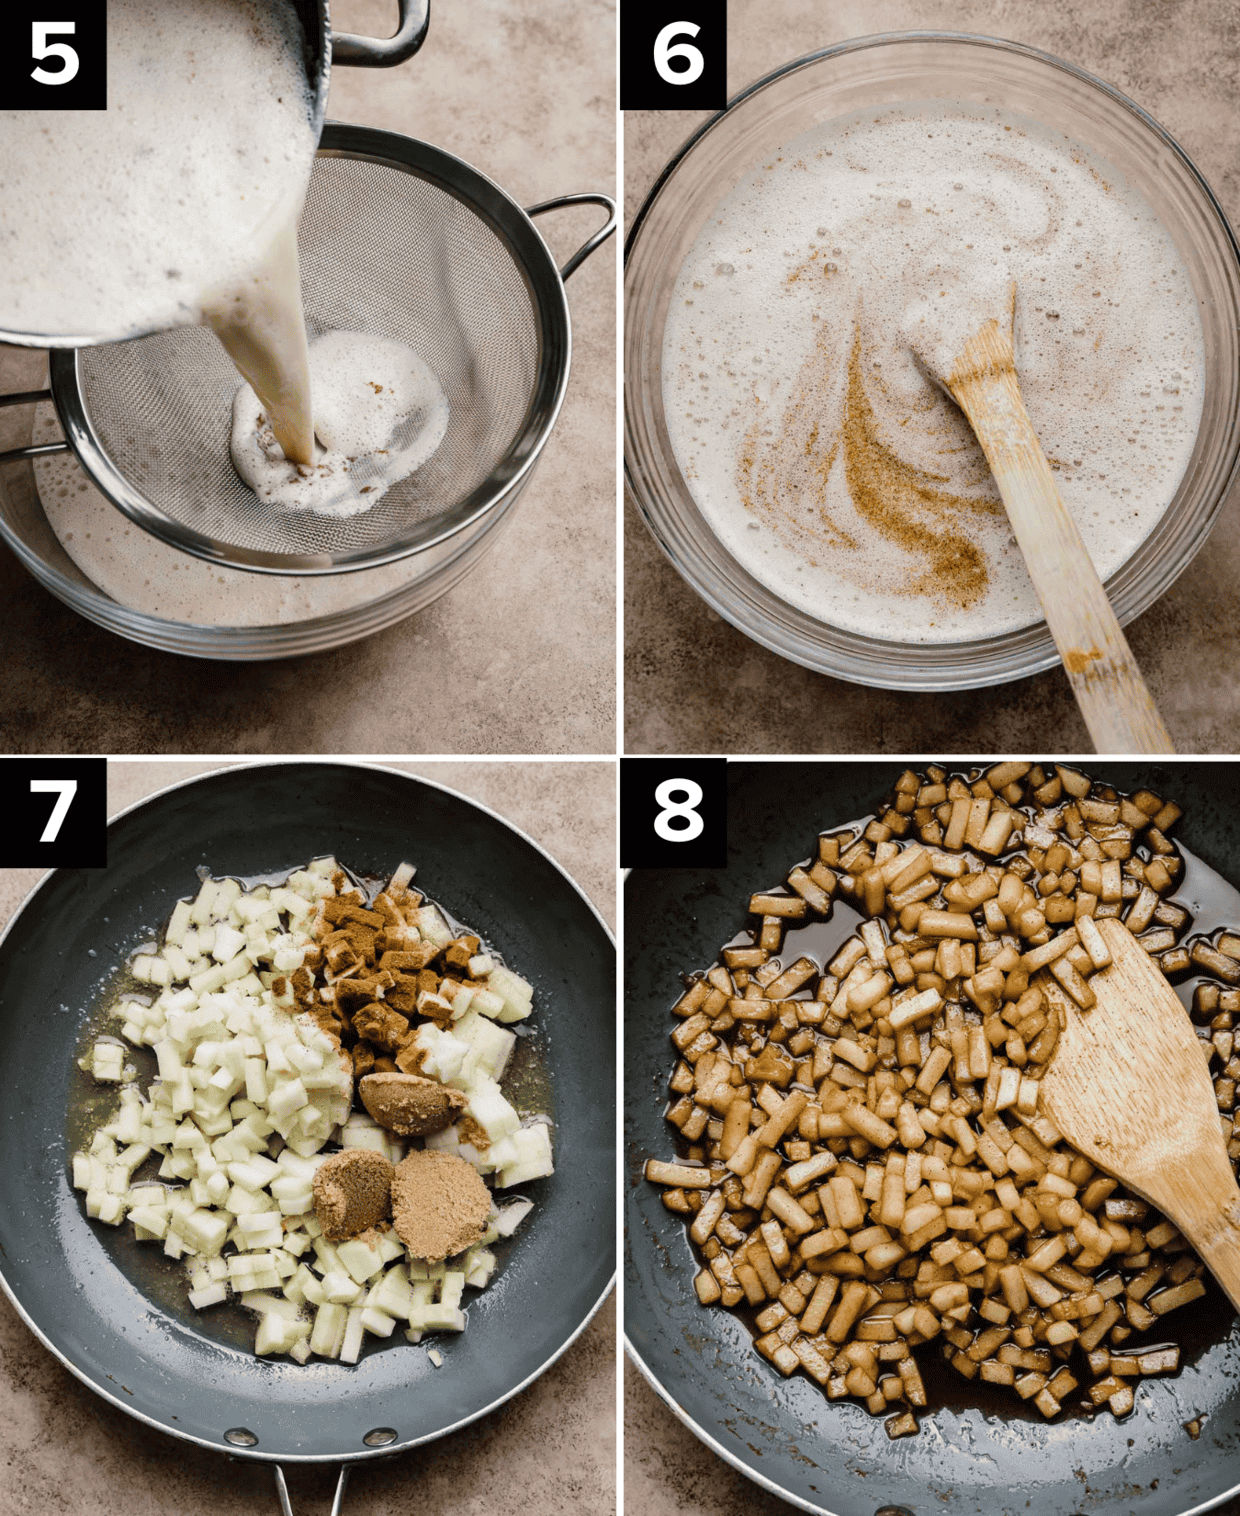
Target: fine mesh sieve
<point>399,239</point>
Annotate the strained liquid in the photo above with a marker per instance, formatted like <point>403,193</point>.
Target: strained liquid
<point>819,450</point>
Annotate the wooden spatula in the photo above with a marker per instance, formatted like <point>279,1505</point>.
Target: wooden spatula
<point>975,364</point>
<point>1128,1087</point>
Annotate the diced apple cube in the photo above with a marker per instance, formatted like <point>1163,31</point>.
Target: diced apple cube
<point>208,1294</point>
<point>533,1160</point>
<point>517,993</point>
<point>108,1062</point>
<point>360,1260</point>
<point>377,1322</point>
<point>276,1335</point>
<point>351,1344</point>
<point>511,1216</point>
<point>329,1326</point>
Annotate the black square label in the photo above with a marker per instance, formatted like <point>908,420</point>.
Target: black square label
<point>56,810</point>
<point>54,55</point>
<point>674,57</point>
<point>673,813</point>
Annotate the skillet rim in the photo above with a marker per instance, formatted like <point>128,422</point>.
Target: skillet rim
<point>258,1455</point>
<point>1120,769</point>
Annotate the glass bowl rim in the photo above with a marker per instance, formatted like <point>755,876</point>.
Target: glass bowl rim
<point>1022,662</point>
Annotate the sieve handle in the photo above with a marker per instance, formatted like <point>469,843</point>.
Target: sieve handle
<point>286,1505</point>
<point>586,248</point>
<point>30,397</point>
<point>374,52</point>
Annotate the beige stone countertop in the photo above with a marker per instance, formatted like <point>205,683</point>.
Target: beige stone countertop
<point>551,1449</point>
<point>518,658</point>
<point>694,683</point>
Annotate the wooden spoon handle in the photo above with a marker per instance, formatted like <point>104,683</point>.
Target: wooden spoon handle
<point>1118,708</point>
<point>1200,1195</point>
<point>1220,1252</point>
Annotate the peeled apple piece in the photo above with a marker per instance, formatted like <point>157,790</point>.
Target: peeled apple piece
<point>241,1070</point>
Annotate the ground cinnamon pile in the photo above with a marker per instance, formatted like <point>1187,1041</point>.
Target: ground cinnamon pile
<point>439,1204</point>
<point>409,1104</point>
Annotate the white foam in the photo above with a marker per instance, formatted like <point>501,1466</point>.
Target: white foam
<point>379,414</point>
<point>787,340</point>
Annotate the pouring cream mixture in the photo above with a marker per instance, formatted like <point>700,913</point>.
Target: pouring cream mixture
<point>818,449</point>
<point>178,205</point>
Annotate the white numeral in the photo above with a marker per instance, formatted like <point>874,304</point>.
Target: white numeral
<point>665,50</point>
<point>40,47</point>
<point>64,789</point>
<point>684,809</point>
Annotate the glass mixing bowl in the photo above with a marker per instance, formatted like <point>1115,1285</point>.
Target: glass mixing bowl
<point>883,71</point>
<point>376,598</point>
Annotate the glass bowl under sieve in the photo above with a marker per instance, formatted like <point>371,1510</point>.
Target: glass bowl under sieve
<point>889,70</point>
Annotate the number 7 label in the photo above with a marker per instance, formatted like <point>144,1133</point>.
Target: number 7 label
<point>57,813</point>
<point>64,790</point>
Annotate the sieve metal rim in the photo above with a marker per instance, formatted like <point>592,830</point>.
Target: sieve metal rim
<point>532,258</point>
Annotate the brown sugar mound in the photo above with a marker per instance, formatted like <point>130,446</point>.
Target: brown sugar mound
<point>439,1204</point>
<point>409,1104</point>
<point>351,1192</point>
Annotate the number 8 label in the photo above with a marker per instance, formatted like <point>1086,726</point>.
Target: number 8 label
<point>685,810</point>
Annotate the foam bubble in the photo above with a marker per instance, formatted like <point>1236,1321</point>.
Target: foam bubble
<point>379,414</point>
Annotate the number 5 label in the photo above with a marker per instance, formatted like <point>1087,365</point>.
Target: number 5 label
<point>56,809</point>
<point>40,31</point>
<point>677,64</point>
<point>54,55</point>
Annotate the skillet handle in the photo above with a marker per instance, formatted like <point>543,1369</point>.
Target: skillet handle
<point>601,236</point>
<point>374,52</point>
<point>286,1508</point>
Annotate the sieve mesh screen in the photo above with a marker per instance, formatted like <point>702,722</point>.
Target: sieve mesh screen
<point>383,250</point>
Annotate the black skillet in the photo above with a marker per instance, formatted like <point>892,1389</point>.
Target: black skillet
<point>111,1309</point>
<point>782,1433</point>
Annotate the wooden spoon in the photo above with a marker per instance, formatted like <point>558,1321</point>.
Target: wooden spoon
<point>1128,1086</point>
<point>979,372</point>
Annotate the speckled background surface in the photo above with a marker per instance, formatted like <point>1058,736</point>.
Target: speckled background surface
<point>551,1450</point>
<point>525,91</point>
<point>694,683</point>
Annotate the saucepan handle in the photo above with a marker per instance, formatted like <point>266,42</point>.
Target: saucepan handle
<point>30,397</point>
<point>286,1507</point>
<point>374,52</point>
<point>601,236</point>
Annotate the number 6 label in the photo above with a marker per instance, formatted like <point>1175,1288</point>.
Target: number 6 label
<point>675,65</point>
<point>665,51</point>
